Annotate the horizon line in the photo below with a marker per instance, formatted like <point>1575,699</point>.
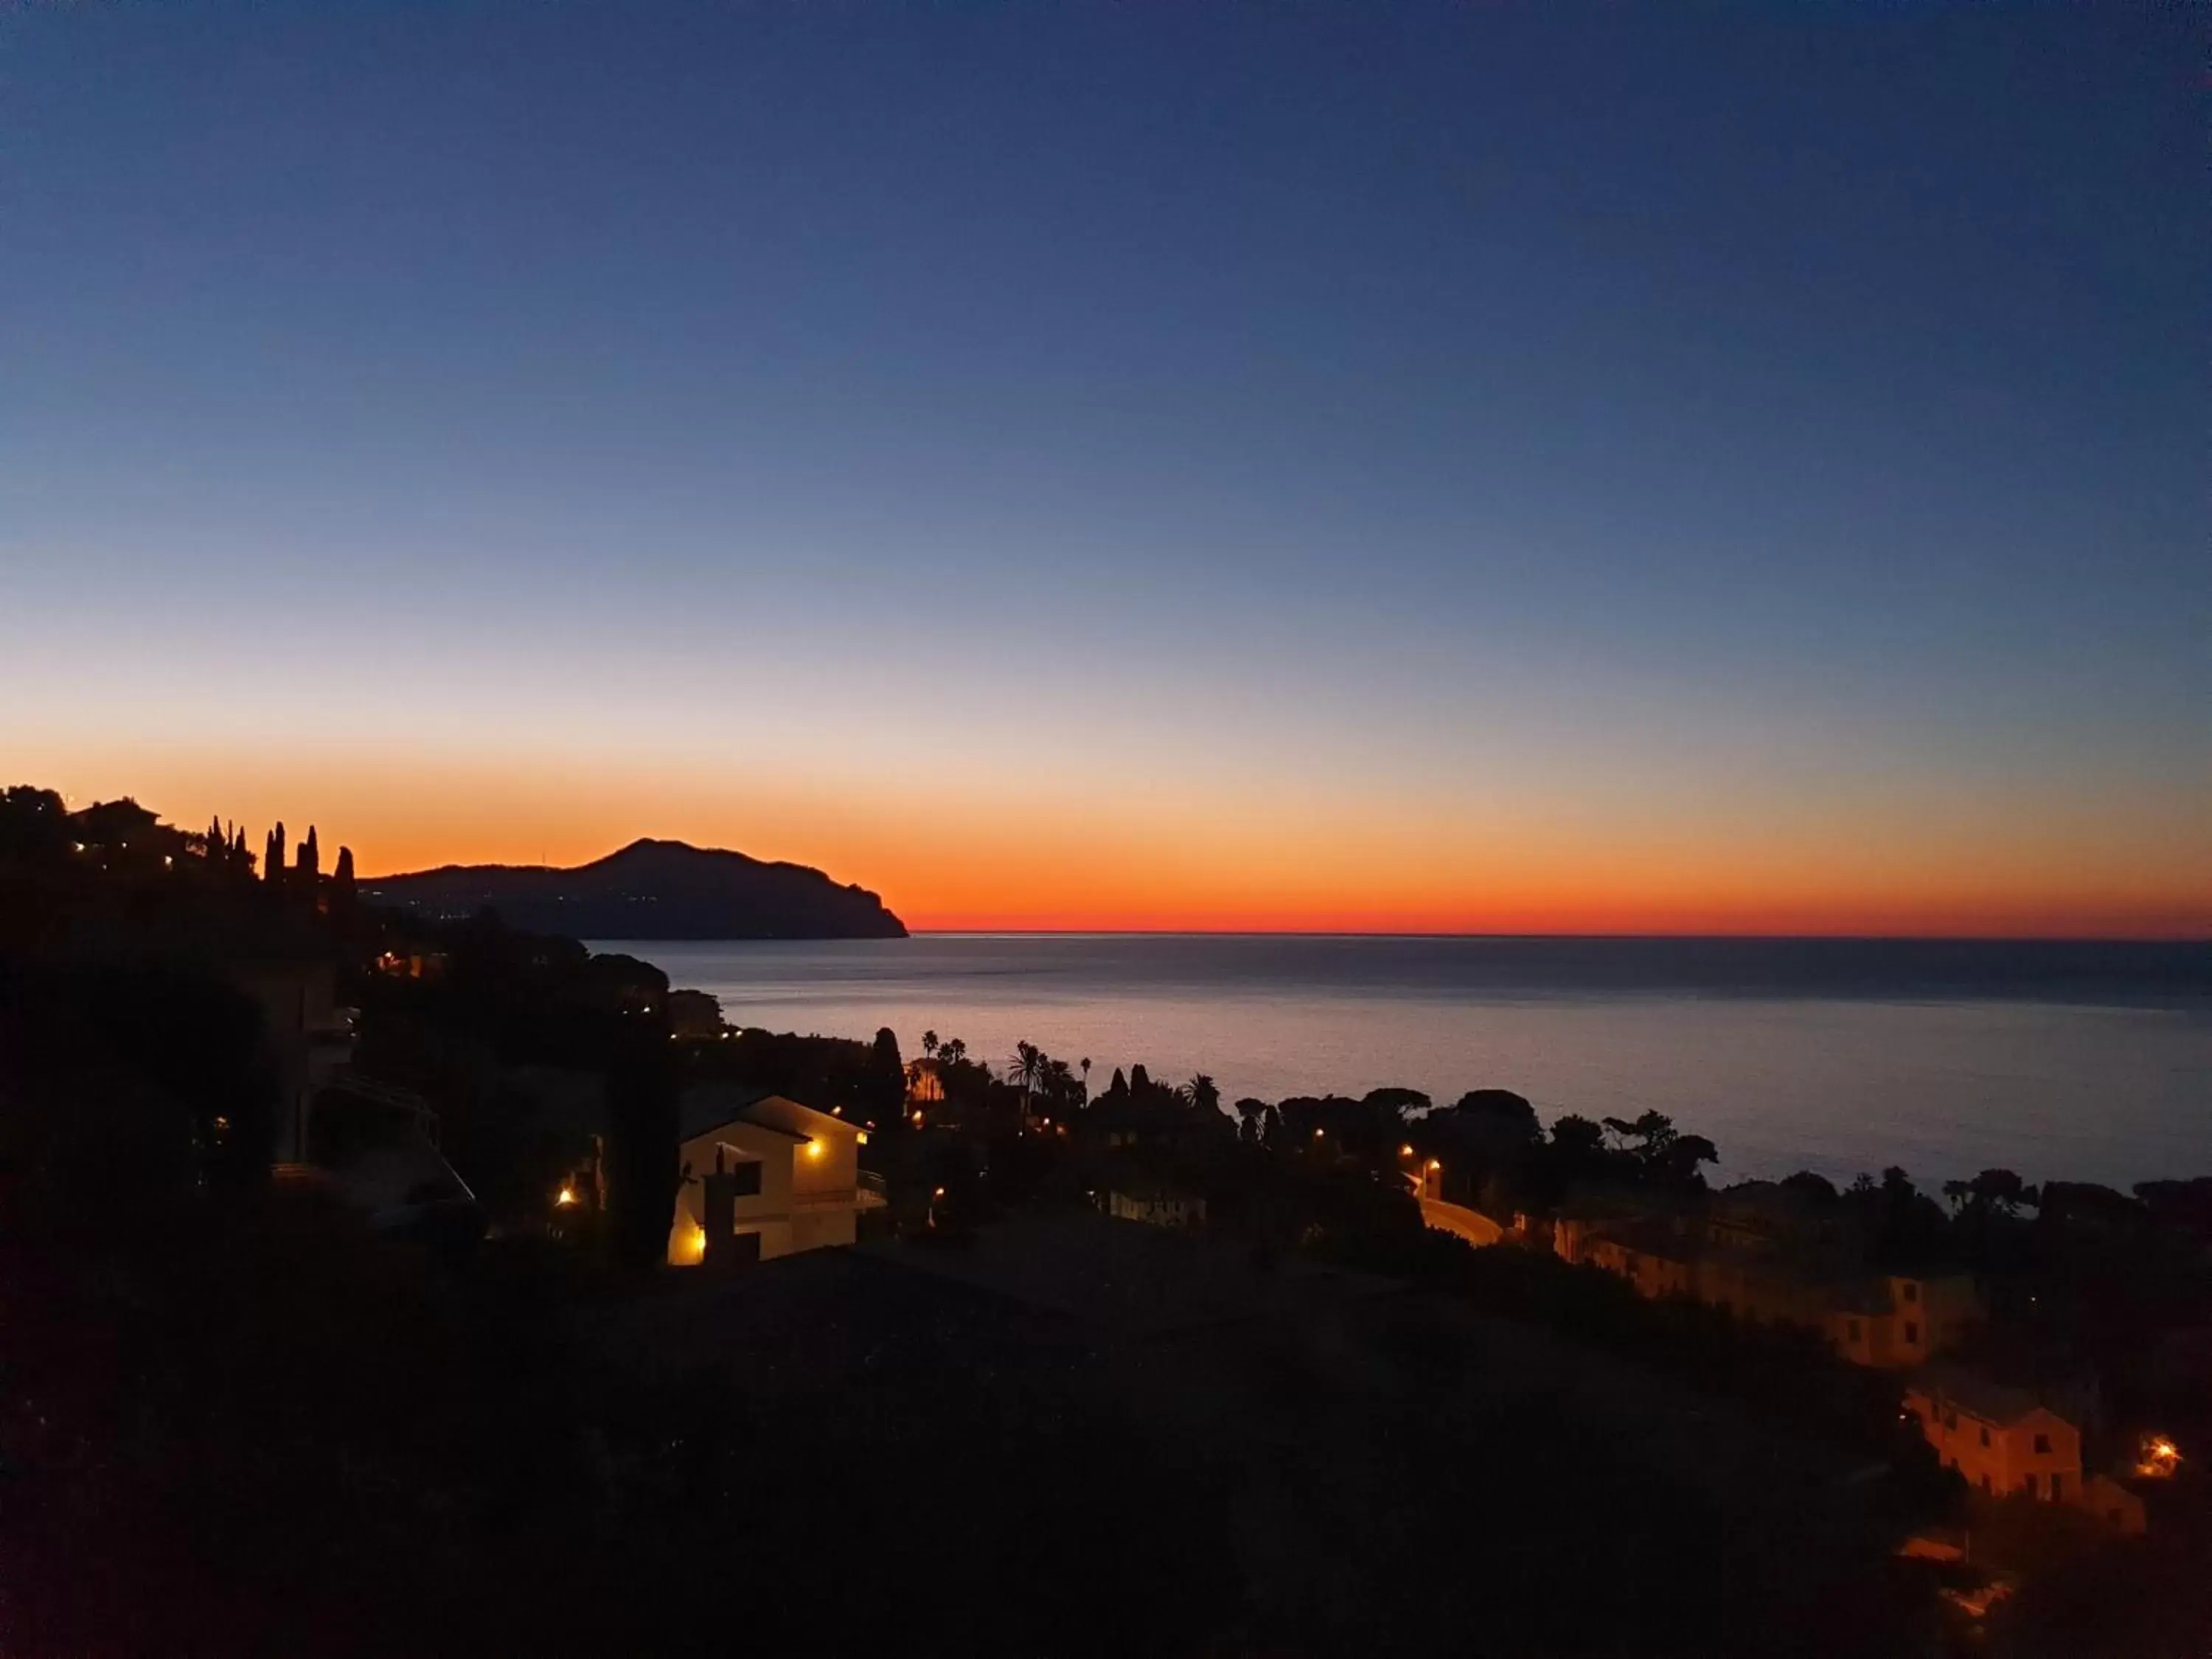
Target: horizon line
<point>1612,936</point>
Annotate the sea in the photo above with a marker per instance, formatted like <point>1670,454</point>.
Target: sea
<point>2084,1062</point>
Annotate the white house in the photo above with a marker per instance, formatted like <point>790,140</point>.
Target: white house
<point>792,1174</point>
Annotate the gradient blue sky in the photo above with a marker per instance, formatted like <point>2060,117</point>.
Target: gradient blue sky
<point>1468,466</point>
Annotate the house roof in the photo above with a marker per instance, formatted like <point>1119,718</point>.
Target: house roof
<point>706,1107</point>
<point>2001,1403</point>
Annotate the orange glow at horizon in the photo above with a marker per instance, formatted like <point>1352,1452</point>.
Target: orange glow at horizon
<point>950,861</point>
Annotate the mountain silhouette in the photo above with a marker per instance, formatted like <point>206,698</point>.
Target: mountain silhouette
<point>649,889</point>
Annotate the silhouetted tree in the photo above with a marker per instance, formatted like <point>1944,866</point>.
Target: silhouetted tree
<point>343,890</point>
<point>929,1044</point>
<point>642,1143</point>
<point>1026,1070</point>
<point>33,823</point>
<point>1205,1093</point>
<point>886,1084</point>
<point>272,859</point>
<point>1252,1120</point>
<point>311,859</point>
<point>1816,1189</point>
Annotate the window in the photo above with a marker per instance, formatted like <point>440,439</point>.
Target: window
<point>2042,1444</point>
<point>2033,1491</point>
<point>1911,1333</point>
<point>1911,1292</point>
<point>744,1172</point>
<point>1985,1434</point>
<point>2057,1487</point>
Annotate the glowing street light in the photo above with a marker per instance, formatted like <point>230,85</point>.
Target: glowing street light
<point>565,1197</point>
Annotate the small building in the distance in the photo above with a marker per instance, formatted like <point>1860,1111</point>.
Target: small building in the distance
<point>1759,1253</point>
<point>764,1176</point>
<point>1155,1205</point>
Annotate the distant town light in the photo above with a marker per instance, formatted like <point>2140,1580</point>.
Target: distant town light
<point>1405,1151</point>
<point>917,1120</point>
<point>566,1196</point>
<point>1317,1135</point>
<point>1435,1163</point>
<point>940,1193</point>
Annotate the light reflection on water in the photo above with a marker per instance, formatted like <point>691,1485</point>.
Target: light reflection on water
<point>2088,1062</point>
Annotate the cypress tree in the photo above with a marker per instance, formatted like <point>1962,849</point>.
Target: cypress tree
<point>272,866</point>
<point>311,857</point>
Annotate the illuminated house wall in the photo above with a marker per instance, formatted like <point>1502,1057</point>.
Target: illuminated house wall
<point>806,1191</point>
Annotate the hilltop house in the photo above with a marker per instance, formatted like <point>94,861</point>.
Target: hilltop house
<point>1757,1253</point>
<point>765,1177</point>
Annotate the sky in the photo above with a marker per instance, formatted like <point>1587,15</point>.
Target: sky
<point>1458,468</point>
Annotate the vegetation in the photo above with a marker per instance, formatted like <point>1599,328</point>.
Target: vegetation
<point>236,1416</point>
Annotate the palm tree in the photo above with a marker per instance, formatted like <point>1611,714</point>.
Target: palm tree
<point>929,1044</point>
<point>954,1049</point>
<point>1028,1068</point>
<point>1059,1083</point>
<point>1956,1191</point>
<point>1204,1093</point>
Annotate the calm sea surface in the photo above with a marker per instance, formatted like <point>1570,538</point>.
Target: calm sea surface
<point>2085,1061</point>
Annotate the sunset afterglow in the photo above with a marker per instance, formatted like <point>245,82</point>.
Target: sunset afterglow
<point>1279,532</point>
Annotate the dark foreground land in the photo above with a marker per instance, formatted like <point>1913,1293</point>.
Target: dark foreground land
<point>241,1411</point>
